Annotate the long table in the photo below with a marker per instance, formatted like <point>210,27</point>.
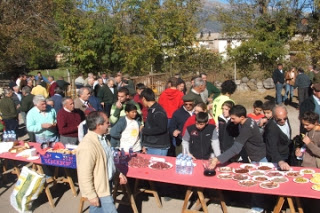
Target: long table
<point>199,181</point>
<point>37,165</point>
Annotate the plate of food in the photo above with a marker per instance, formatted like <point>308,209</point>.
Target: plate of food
<point>275,174</point>
<point>138,162</point>
<point>225,169</point>
<point>269,185</point>
<point>261,178</point>
<point>315,180</point>
<point>225,176</point>
<point>307,171</point>
<point>293,174</point>
<point>248,166</point>
<point>240,171</point>
<point>316,187</point>
<point>279,179</point>
<point>256,173</point>
<point>160,165</point>
<point>316,175</point>
<point>247,183</point>
<point>240,177</point>
<point>264,168</point>
<point>301,180</point>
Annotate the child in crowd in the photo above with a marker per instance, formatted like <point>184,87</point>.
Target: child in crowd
<point>201,139</point>
<point>227,130</point>
<point>257,114</point>
<point>267,108</point>
<point>126,132</point>
<point>200,107</point>
<point>137,98</point>
<point>311,156</point>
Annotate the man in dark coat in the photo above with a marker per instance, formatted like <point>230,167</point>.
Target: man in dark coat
<point>178,120</point>
<point>312,103</point>
<point>277,136</point>
<point>278,79</point>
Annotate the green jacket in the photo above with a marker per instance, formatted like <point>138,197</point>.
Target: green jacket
<point>7,108</point>
<point>106,96</point>
<point>26,103</point>
<point>213,91</point>
<point>116,113</point>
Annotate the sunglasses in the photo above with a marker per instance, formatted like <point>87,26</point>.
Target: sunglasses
<point>281,119</point>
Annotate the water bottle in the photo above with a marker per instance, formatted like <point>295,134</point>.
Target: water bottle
<point>5,136</point>
<point>189,167</point>
<point>13,135</point>
<point>302,150</point>
<point>10,136</point>
<point>116,157</point>
<point>131,152</point>
<point>183,164</point>
<point>123,153</point>
<point>178,164</point>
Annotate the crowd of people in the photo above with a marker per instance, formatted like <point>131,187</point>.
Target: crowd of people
<point>201,121</point>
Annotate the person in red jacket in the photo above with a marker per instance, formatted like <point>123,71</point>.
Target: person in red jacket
<point>171,98</point>
<point>201,107</point>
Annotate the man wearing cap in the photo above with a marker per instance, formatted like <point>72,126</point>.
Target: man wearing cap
<point>68,120</point>
<point>178,120</point>
<point>312,103</point>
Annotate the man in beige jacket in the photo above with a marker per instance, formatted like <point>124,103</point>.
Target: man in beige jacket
<point>95,165</point>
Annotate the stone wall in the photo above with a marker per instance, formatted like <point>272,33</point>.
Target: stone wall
<point>246,84</point>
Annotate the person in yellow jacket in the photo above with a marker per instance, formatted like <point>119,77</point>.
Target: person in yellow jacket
<point>39,90</point>
<point>228,87</point>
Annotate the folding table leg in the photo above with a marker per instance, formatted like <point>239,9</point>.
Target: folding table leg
<point>131,198</point>
<point>279,205</point>
<point>47,189</point>
<point>202,200</point>
<point>155,194</point>
<point>70,181</point>
<point>298,201</point>
<point>189,193</point>
<point>291,205</point>
<point>222,202</point>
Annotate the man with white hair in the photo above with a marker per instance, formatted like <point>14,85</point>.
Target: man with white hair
<point>8,110</point>
<point>82,102</point>
<point>86,81</point>
<point>41,120</point>
<point>68,119</point>
<point>198,87</point>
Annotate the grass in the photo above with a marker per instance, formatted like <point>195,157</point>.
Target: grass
<point>247,98</point>
<point>56,73</point>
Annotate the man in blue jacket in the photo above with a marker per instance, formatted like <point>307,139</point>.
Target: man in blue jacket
<point>278,79</point>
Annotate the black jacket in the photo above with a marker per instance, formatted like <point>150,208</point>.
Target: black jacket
<point>228,131</point>
<point>277,143</point>
<point>155,132</point>
<point>200,141</point>
<point>277,76</point>
<point>179,117</point>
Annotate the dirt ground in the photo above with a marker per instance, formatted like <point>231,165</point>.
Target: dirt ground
<point>67,203</point>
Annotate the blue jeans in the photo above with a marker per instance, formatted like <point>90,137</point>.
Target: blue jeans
<point>289,90</point>
<point>157,151</point>
<point>106,206</point>
<point>279,87</point>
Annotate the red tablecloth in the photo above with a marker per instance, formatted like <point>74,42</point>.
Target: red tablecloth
<point>12,156</point>
<point>197,179</point>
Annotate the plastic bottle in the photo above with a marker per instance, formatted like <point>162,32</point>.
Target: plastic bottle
<point>178,164</point>
<point>5,136</point>
<point>183,166</point>
<point>302,150</point>
<point>14,136</point>
<point>189,167</point>
<point>11,136</point>
<point>130,152</point>
<point>116,157</point>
